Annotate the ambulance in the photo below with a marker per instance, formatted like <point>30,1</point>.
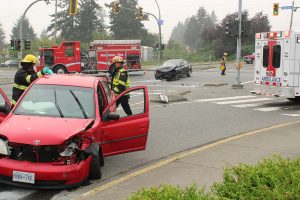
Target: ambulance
<point>277,64</point>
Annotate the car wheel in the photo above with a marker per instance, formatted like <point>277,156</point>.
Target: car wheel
<point>95,170</point>
<point>189,73</point>
<point>60,69</point>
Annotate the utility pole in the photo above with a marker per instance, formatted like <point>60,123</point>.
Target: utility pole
<point>159,22</point>
<point>55,26</point>
<point>238,49</point>
<point>21,26</point>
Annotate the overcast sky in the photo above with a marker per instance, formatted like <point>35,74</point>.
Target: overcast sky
<point>172,12</point>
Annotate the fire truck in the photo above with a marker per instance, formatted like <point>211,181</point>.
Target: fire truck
<point>68,58</point>
<point>277,64</point>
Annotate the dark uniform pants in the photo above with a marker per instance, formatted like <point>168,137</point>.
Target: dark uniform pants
<point>124,101</point>
<point>223,71</point>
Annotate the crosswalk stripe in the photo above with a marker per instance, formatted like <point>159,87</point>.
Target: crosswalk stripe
<point>292,115</point>
<point>224,98</point>
<point>267,109</point>
<point>243,101</point>
<point>246,105</point>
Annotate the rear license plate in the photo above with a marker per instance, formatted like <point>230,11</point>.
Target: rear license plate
<point>24,177</point>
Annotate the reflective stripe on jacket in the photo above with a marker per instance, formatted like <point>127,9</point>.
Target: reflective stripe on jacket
<point>121,81</point>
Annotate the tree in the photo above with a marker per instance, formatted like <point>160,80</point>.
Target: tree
<point>91,19</point>
<point>2,42</point>
<point>125,25</point>
<point>27,30</point>
<point>178,31</point>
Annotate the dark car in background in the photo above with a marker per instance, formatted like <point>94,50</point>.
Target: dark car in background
<point>173,69</point>
<point>10,63</point>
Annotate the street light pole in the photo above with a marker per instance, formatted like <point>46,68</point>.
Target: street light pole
<point>238,49</point>
<point>55,26</point>
<point>21,26</point>
<point>159,32</point>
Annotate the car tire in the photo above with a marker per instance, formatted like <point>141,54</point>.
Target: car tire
<point>189,73</point>
<point>60,69</point>
<point>95,170</point>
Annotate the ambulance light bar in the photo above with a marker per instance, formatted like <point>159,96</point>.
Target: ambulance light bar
<point>279,34</point>
<point>258,36</point>
<point>287,33</point>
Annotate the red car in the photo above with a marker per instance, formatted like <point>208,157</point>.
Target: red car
<point>63,126</point>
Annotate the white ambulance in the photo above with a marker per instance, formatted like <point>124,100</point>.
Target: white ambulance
<point>277,64</point>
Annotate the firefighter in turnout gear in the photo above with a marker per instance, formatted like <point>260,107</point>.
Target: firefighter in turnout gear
<point>25,76</point>
<point>120,83</point>
<point>223,63</point>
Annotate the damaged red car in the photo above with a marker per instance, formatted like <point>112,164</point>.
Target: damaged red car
<point>63,126</point>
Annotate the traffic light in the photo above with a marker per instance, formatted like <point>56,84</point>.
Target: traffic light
<point>227,29</point>
<point>12,45</point>
<point>116,8</point>
<point>139,13</point>
<point>73,7</point>
<point>17,45</point>
<point>275,9</point>
<point>27,44</point>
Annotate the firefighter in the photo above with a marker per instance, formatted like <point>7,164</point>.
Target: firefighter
<point>120,83</point>
<point>223,63</point>
<point>25,76</point>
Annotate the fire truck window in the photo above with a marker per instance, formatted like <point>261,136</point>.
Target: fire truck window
<point>276,56</point>
<point>69,51</point>
<point>49,57</point>
<point>266,56</point>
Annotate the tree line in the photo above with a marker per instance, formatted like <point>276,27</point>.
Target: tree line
<point>200,33</point>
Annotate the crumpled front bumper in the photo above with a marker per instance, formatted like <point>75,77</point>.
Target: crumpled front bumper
<point>47,175</point>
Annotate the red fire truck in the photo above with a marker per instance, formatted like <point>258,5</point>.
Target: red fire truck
<point>67,57</point>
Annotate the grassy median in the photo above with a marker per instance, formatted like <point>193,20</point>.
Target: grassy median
<point>272,178</point>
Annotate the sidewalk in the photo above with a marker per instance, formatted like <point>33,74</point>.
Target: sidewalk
<point>203,165</point>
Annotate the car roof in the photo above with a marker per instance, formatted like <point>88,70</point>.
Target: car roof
<point>80,80</point>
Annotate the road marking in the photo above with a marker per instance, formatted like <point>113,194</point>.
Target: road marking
<point>243,83</point>
<point>268,109</point>
<point>292,115</point>
<point>224,98</point>
<point>243,101</point>
<point>246,105</point>
<point>173,158</point>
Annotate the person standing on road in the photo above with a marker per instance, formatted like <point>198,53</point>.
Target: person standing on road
<point>25,76</point>
<point>223,63</point>
<point>120,83</point>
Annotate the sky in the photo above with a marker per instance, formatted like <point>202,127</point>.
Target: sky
<point>172,12</point>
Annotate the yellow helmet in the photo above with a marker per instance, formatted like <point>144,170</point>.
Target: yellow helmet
<point>225,54</point>
<point>117,59</point>
<point>29,58</point>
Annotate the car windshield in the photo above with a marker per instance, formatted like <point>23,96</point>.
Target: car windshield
<point>169,63</point>
<point>58,101</point>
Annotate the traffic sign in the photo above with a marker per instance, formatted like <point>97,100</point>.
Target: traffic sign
<point>286,7</point>
<point>160,22</point>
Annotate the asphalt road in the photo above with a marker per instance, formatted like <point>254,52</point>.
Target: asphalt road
<point>203,108</point>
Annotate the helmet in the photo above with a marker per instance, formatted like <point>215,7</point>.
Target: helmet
<point>225,54</point>
<point>29,58</point>
<point>117,59</point>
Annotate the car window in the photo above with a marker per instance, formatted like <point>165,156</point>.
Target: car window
<point>107,90</point>
<point>58,101</point>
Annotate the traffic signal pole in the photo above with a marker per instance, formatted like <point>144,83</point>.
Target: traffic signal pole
<point>159,30</point>
<point>21,26</point>
<point>238,50</point>
<point>291,23</point>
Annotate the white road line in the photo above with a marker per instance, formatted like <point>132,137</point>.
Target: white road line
<point>224,98</point>
<point>243,83</point>
<point>292,115</point>
<point>246,105</point>
<point>268,109</point>
<point>243,101</point>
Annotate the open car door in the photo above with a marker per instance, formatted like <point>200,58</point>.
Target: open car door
<point>5,106</point>
<point>122,133</point>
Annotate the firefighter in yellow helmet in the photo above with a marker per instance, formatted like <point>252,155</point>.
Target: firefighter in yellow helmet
<point>25,76</point>
<point>223,63</point>
<point>120,83</point>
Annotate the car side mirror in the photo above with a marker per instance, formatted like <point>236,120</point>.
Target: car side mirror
<point>4,108</point>
<point>111,116</point>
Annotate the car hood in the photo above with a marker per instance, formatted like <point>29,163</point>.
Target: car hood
<point>166,68</point>
<point>42,130</point>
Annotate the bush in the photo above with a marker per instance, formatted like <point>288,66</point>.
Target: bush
<point>273,178</point>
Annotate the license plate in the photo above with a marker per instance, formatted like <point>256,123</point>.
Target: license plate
<point>24,177</point>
